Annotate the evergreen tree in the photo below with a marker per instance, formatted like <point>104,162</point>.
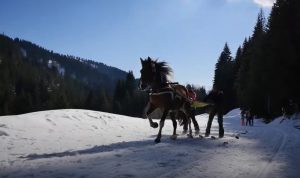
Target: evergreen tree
<point>222,68</point>
<point>282,54</point>
<point>256,76</point>
<point>241,80</point>
<point>130,83</point>
<point>269,62</point>
<point>105,103</point>
<point>225,76</point>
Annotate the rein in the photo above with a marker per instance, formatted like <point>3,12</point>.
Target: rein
<point>172,83</point>
<point>173,93</point>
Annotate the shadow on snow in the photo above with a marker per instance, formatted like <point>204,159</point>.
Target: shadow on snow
<point>166,141</point>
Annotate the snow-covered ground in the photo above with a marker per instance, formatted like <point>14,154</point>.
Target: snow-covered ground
<point>82,143</point>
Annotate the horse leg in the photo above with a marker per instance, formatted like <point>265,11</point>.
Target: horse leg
<point>189,118</point>
<point>174,136</point>
<point>185,122</point>
<point>161,125</point>
<point>190,135</point>
<point>148,110</point>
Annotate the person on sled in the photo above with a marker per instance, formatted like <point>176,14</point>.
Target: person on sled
<point>192,96</point>
<point>216,98</point>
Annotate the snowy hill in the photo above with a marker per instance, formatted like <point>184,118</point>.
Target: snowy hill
<point>83,143</point>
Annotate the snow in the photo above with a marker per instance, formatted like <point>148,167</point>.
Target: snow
<point>84,143</point>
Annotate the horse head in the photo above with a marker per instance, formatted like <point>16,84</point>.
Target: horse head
<point>153,74</point>
<point>148,72</point>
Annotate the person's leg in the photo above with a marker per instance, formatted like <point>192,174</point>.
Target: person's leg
<point>196,126</point>
<point>220,121</point>
<point>209,122</point>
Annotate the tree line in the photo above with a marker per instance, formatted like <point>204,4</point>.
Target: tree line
<point>35,79</point>
<point>264,74</point>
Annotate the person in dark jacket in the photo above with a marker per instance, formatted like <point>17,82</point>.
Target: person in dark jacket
<point>192,96</point>
<point>216,98</point>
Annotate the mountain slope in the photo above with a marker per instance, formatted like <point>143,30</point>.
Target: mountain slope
<point>33,79</point>
<point>93,73</point>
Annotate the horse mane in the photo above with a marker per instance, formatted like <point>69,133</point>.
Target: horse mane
<point>163,69</point>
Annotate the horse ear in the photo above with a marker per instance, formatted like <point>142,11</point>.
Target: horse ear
<point>141,60</point>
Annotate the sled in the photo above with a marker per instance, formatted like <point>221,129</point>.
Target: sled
<point>199,104</point>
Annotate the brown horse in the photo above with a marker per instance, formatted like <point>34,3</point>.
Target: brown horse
<point>168,97</point>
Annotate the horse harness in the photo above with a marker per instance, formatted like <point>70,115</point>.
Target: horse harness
<point>170,91</point>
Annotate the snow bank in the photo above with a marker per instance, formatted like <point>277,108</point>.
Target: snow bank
<point>287,123</point>
<point>82,143</point>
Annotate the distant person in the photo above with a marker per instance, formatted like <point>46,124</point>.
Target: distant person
<point>288,109</point>
<point>249,117</point>
<point>192,96</point>
<point>216,97</point>
<point>243,117</point>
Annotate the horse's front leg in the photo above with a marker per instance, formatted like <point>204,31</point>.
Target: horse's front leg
<point>174,136</point>
<point>148,110</point>
<point>161,125</point>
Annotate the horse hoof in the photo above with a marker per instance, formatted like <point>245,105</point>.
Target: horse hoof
<point>154,125</point>
<point>173,137</point>
<point>157,140</point>
<point>190,136</point>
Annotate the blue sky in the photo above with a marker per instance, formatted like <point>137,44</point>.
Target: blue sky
<point>188,34</point>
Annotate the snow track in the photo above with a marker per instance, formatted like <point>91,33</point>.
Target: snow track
<point>277,147</point>
<point>89,144</point>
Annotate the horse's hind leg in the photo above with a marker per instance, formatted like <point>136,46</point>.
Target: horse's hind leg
<point>190,128</point>
<point>188,116</point>
<point>161,125</point>
<point>148,110</point>
<point>174,136</point>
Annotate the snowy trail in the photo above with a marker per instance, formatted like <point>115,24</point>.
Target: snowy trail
<point>81,143</point>
<point>277,148</point>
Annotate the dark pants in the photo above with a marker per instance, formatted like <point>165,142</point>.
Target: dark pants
<point>212,114</point>
<point>193,112</point>
<point>250,121</point>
